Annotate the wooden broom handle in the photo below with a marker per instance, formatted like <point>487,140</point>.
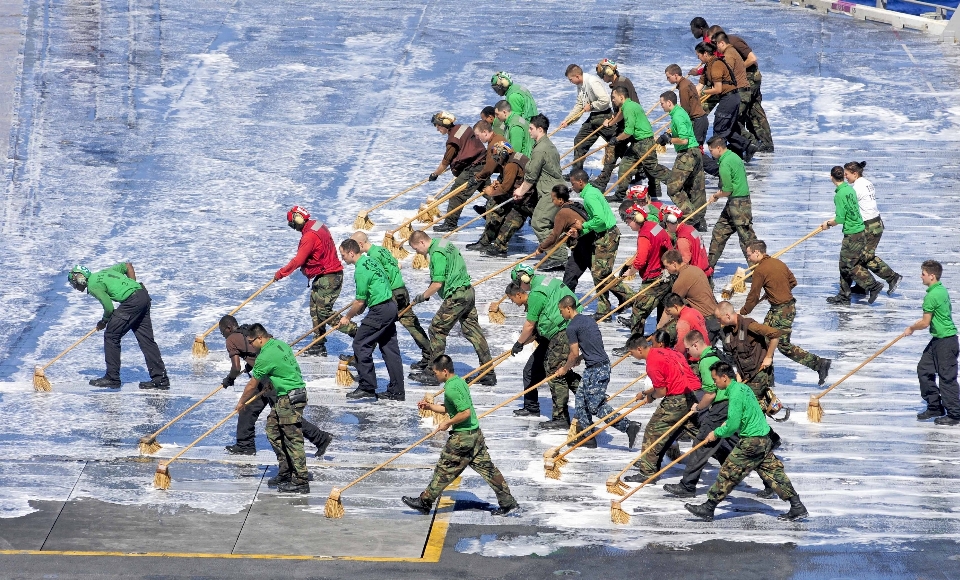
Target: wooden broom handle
<point>630,300</point>
<point>655,443</point>
<point>209,431</point>
<point>495,305</point>
<point>242,304</point>
<point>326,321</point>
<point>551,251</point>
<point>859,366</point>
<point>612,413</point>
<point>642,157</point>
<point>784,251</point>
<point>393,197</point>
<point>694,212</point>
<point>428,207</point>
<point>579,143</point>
<point>505,268</point>
<point>591,291</point>
<point>454,210</point>
<point>69,348</point>
<point>316,340</point>
<point>181,415</point>
<point>598,431</point>
<point>662,471</point>
<point>518,395</point>
<point>496,361</point>
<point>584,156</point>
<point>479,217</point>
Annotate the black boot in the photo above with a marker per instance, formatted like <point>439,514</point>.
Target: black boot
<point>417,503</point>
<point>678,490</point>
<point>823,369</point>
<point>322,443</point>
<point>703,511</point>
<point>766,493</point>
<point>797,510</point>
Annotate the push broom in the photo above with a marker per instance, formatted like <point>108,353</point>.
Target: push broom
<point>618,515</point>
<point>616,485</point>
<point>815,410</point>
<point>738,283</point>
<point>406,228</point>
<point>200,349</point>
<point>334,505</point>
<point>41,383</point>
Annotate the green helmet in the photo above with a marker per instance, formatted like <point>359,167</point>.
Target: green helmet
<point>78,277</point>
<point>522,273</point>
<point>502,80</point>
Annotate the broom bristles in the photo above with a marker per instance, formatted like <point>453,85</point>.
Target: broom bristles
<point>738,284</point>
<point>661,149</point>
<point>362,222</point>
<point>421,262</point>
<point>617,515</point>
<point>424,214</point>
<point>496,316</point>
<point>551,470</point>
<point>424,413</point>
<point>616,486</point>
<point>814,410</point>
<point>149,445</point>
<point>405,232</point>
<point>161,479</point>
<point>344,377</point>
<point>40,382</point>
<point>200,349</point>
<point>333,507</point>
<point>574,428</point>
<point>561,461</point>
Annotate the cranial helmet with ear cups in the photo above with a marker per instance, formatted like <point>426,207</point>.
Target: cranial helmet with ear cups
<point>606,67</point>
<point>443,119</point>
<point>522,273</point>
<point>502,150</point>
<point>78,277</point>
<point>502,80</point>
<point>297,216</point>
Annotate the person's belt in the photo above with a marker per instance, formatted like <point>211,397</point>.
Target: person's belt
<point>296,395</point>
<point>458,289</point>
<point>872,220</point>
<point>467,431</point>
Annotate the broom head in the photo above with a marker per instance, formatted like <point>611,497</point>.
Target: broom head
<point>362,222</point>
<point>617,515</point>
<point>334,507</point>
<point>405,233</point>
<point>344,377</point>
<point>496,316</point>
<point>661,149</point>
<point>421,262</point>
<point>149,445</point>
<point>40,382</point>
<point>200,349</point>
<point>423,215</point>
<point>814,410</point>
<point>161,479</point>
<point>438,417</point>
<point>574,429</point>
<point>427,398</point>
<point>616,486</point>
<point>739,282</point>
<point>550,469</point>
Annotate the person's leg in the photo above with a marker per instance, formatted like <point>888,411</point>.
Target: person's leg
<point>451,220</point>
<point>470,326</point>
<point>584,140</point>
<point>626,171</point>
<point>247,423</point>
<point>710,419</point>
<point>741,215</point>
<point>409,320</point>
<point>143,331</point>
<point>390,347</point>
<point>700,126</point>
<point>455,457</point>
<point>542,223</point>
<point>852,254</point>
<point>578,261</point>
<point>873,262</point>
<point>117,326</point>
<point>291,437</point>
<point>653,293</point>
<point>533,373</point>
<point>654,172</point>
<point>440,327</point>
<point>324,292</point>
<point>272,429</point>
<point>722,230</point>
<point>744,458</point>
<point>558,349</point>
<point>946,350</point>
<point>927,375</point>
<point>363,344</point>
<point>511,223</point>
<point>483,465</point>
<point>597,403</point>
<point>780,316</point>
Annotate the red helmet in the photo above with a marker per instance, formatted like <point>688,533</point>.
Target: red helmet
<point>636,212</point>
<point>670,214</point>
<point>637,192</point>
<point>297,216</point>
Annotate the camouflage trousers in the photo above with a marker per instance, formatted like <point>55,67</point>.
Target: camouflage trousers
<point>853,264</point>
<point>547,358</point>
<point>460,306</point>
<point>648,168</point>
<point>514,220</point>
<point>601,265</point>
<point>755,117</point>
<point>685,184</point>
<point>752,454</point>
<point>736,217</point>
<point>872,234</point>
<point>463,449</point>
<point>462,197</point>
<point>760,382</point>
<point>285,434</point>
<point>611,154</point>
<point>593,122</point>
<point>324,291</point>
<point>670,411</point>
<point>643,306</point>
<point>591,403</point>
<point>780,316</point>
<point>409,321</point>
<point>496,218</point>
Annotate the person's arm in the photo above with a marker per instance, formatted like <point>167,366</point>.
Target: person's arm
<point>448,155</point>
<point>573,359</point>
<point>732,424</point>
<point>756,286</point>
<point>704,402</point>
<point>577,110</point>
<point>508,176</point>
<point>432,289</point>
<point>921,324</point>
<point>356,307</point>
<point>100,293</point>
<point>521,192</point>
<point>773,338</point>
<point>640,258</point>
<point>616,118</point>
<point>131,273</point>
<point>602,100</point>
<point>460,417</point>
<point>750,60</point>
<point>526,333</point>
<point>686,252</point>
<point>629,123</point>
<point>247,394</point>
<point>717,87</point>
<point>303,252</point>
<point>594,206</point>
<point>683,327</point>
<point>560,225</point>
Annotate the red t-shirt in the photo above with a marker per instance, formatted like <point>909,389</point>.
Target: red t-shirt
<point>668,369</point>
<point>316,254</point>
<point>690,319</point>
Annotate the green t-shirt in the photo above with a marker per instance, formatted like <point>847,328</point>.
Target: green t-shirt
<point>447,266</point>
<point>518,134</point>
<point>521,101</point>
<point>389,264</point>
<point>733,176</point>
<point>707,358</point>
<point>111,285</point>
<point>373,286</point>
<point>681,127</point>
<point>848,209</point>
<point>276,360</point>
<point>456,398</point>
<point>600,217</point>
<point>635,121</point>
<point>744,414</point>
<point>937,302</point>
<point>543,305</point>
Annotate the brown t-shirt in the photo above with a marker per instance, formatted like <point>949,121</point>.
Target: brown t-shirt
<point>511,177</point>
<point>716,73</point>
<point>773,276</point>
<point>562,222</point>
<point>692,285</point>
<point>490,166</point>
<point>690,99</point>
<point>733,59</point>
<point>238,345</point>
<point>743,49</point>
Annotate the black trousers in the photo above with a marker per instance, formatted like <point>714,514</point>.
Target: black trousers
<point>939,359</point>
<point>710,419</point>
<point>132,314</point>
<point>379,329</point>
<point>247,419</point>
<point>578,261</point>
<point>725,123</point>
<point>700,126</point>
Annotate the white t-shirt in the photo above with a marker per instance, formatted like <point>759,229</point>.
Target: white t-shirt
<point>866,198</point>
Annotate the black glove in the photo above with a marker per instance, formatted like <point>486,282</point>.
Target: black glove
<point>517,349</point>
<point>101,325</point>
<point>247,368</point>
<point>227,381</point>
<point>623,270</point>
<point>420,298</point>
<point>433,177</point>
<point>663,139</point>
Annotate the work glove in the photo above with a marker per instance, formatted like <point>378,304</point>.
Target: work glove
<point>278,275</point>
<point>433,177</point>
<point>247,368</point>
<point>227,381</point>
<point>623,270</point>
<point>101,325</point>
<point>663,139</point>
<point>517,349</point>
<point>420,298</point>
